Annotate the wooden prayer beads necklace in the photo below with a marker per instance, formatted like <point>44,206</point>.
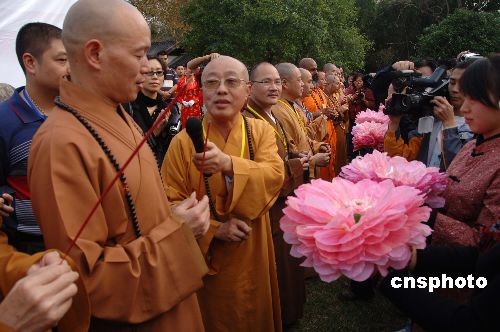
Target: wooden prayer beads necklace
<point>111,158</point>
<point>211,203</point>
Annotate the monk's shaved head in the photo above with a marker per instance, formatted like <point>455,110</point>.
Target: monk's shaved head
<point>329,68</point>
<point>306,74</point>
<point>256,69</point>
<point>228,61</point>
<point>286,69</point>
<point>97,19</point>
<point>309,64</point>
<point>106,42</point>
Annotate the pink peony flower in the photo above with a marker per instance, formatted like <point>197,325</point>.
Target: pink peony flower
<point>378,166</point>
<point>372,116</point>
<point>354,229</point>
<point>369,135</point>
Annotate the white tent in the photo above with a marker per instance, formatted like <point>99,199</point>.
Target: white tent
<point>16,13</point>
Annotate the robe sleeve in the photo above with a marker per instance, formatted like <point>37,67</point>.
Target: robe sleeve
<point>131,281</point>
<point>14,265</point>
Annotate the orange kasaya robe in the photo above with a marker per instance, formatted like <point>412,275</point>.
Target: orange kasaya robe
<point>135,283</point>
<point>241,288</point>
<point>318,101</point>
<point>14,265</point>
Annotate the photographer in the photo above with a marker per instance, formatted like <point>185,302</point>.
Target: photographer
<point>447,136</point>
<point>359,97</point>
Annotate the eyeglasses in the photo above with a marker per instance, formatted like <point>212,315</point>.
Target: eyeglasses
<point>267,83</point>
<point>230,83</point>
<point>153,73</point>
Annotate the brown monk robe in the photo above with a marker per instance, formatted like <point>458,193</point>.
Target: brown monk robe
<point>241,289</point>
<point>293,119</point>
<point>264,93</point>
<point>14,266</point>
<point>140,264</point>
<point>333,90</point>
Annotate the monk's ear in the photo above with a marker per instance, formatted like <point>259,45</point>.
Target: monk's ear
<point>93,50</point>
<point>284,83</point>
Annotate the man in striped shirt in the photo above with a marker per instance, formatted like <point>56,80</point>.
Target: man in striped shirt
<point>42,57</point>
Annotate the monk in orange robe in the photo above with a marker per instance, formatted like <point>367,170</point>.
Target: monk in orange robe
<point>318,104</point>
<point>246,175</point>
<point>333,90</point>
<point>139,262</point>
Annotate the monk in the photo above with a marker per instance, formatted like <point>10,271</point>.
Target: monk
<point>316,121</point>
<point>333,90</point>
<point>138,259</point>
<point>265,91</point>
<point>244,175</point>
<point>294,121</point>
<point>318,104</point>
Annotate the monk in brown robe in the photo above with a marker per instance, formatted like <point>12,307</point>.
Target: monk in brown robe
<point>246,175</point>
<point>294,121</point>
<point>140,263</point>
<point>264,94</point>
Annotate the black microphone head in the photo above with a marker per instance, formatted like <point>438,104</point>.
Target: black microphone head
<point>194,129</point>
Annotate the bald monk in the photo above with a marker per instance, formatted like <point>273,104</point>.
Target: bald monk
<point>334,92</point>
<point>294,121</point>
<point>265,91</point>
<point>316,126</point>
<point>139,261</point>
<point>246,175</point>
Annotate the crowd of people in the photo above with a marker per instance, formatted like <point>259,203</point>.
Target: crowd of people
<point>100,232</point>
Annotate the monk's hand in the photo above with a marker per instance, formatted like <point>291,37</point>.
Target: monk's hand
<point>6,208</point>
<point>215,161</point>
<point>40,299</point>
<point>233,230</point>
<point>325,148</point>
<point>321,159</point>
<point>196,214</point>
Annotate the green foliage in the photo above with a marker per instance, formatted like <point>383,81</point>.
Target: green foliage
<point>275,31</point>
<point>394,26</point>
<point>462,30</point>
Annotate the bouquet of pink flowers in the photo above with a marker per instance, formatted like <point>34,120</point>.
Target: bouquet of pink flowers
<point>372,116</point>
<point>369,135</point>
<point>355,229</point>
<point>378,167</point>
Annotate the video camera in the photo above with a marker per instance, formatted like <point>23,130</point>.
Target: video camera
<point>414,93</point>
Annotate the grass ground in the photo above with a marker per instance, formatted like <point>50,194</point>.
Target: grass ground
<point>325,312</point>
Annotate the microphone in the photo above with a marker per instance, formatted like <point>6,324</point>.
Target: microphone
<point>195,131</point>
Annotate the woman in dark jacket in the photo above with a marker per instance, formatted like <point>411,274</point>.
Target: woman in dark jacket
<point>148,106</point>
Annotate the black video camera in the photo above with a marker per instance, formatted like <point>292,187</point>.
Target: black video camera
<point>414,93</point>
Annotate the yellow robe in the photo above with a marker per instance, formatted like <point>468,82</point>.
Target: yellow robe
<point>141,284</point>
<point>241,290</point>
